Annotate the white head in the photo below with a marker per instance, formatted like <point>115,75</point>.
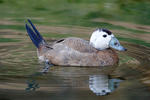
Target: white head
<point>102,39</point>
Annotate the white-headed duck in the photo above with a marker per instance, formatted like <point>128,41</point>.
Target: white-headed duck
<point>75,51</point>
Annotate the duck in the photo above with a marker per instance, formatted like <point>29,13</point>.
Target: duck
<point>74,51</point>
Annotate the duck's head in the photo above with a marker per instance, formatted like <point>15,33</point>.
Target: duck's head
<point>102,39</point>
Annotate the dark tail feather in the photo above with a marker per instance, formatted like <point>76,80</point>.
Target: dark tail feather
<point>36,31</point>
<point>35,36</point>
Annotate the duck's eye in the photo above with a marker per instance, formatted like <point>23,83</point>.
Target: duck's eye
<point>104,36</point>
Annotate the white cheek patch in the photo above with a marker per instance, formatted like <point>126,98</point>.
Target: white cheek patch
<point>102,42</point>
<point>98,41</point>
<point>94,38</point>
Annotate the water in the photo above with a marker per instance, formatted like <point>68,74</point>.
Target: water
<point>19,68</point>
<point>20,77</point>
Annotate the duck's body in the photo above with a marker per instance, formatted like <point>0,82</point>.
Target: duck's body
<point>78,52</point>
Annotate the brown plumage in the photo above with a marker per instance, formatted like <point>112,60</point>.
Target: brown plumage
<point>76,52</point>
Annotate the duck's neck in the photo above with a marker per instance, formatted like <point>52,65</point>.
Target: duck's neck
<point>96,47</point>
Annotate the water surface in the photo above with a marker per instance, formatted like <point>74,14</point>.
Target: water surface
<point>23,81</point>
<point>19,68</point>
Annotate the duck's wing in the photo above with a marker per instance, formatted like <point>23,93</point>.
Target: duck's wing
<point>77,44</point>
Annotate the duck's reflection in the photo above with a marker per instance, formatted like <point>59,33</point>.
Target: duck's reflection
<point>102,84</point>
<point>32,84</point>
<point>98,84</point>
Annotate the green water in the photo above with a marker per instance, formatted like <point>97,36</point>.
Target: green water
<point>55,19</point>
<point>19,78</point>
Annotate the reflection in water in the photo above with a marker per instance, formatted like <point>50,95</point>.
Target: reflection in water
<point>99,84</point>
<point>102,85</point>
<point>32,84</point>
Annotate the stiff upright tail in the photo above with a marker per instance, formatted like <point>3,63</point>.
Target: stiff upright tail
<point>35,36</point>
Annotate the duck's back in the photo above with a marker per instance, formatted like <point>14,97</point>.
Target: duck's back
<point>77,44</point>
<point>78,52</point>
